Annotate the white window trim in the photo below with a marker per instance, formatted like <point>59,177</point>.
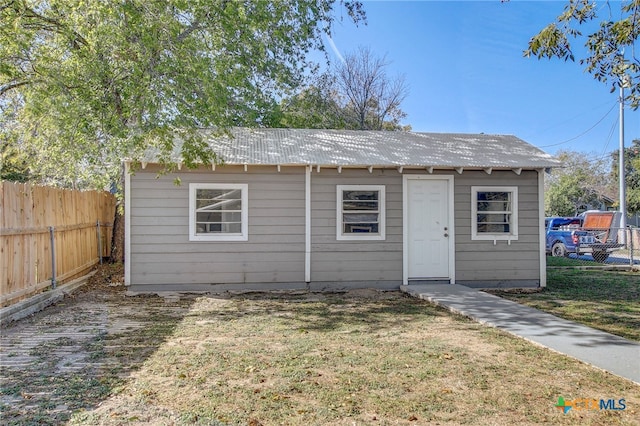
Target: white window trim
<point>382,213</point>
<point>513,235</point>
<point>244,196</point>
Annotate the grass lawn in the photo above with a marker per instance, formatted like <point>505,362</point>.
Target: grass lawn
<point>348,359</point>
<point>606,300</point>
<point>356,358</point>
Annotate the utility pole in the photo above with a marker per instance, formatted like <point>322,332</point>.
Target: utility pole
<point>621,168</point>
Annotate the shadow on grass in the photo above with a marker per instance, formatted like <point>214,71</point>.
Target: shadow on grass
<point>75,354</point>
<point>78,353</point>
<point>328,312</point>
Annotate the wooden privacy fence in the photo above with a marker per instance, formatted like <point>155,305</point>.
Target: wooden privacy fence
<point>50,235</point>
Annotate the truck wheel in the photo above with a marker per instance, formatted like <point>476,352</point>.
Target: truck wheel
<point>559,250</point>
<point>600,256</point>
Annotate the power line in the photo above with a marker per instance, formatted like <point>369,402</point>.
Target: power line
<point>558,124</point>
<point>613,127</point>
<point>583,133</point>
<point>597,157</point>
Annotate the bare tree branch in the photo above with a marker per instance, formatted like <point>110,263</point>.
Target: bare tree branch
<point>369,92</point>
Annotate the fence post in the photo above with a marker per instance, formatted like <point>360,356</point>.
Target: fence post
<point>53,256</point>
<point>630,239</point>
<point>99,242</point>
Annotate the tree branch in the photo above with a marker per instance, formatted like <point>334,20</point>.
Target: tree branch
<point>57,25</point>
<point>195,26</point>
<point>8,87</point>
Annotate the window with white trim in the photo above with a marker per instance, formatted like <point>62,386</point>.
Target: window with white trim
<point>218,212</point>
<point>360,212</point>
<point>494,213</point>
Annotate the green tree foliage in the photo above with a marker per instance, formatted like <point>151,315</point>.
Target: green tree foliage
<point>632,174</point>
<point>96,81</point>
<point>356,94</point>
<point>14,164</point>
<point>314,107</point>
<point>580,183</point>
<point>617,32</point>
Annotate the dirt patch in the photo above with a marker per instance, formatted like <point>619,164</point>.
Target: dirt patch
<point>358,357</point>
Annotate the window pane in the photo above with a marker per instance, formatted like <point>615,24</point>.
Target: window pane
<point>218,199</point>
<point>360,195</point>
<point>494,223</point>
<point>232,228</point>
<point>219,228</point>
<point>494,228</point>
<point>493,196</point>
<point>217,217</point>
<point>360,212</point>
<point>494,206</point>
<point>218,211</point>
<point>360,205</point>
<point>494,201</point>
<point>218,194</point>
<point>218,204</point>
<point>360,217</point>
<point>369,228</point>
<point>360,223</point>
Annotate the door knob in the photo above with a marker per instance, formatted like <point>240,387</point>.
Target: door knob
<point>446,235</point>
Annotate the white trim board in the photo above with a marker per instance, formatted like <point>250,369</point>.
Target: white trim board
<point>127,223</point>
<point>307,224</point>
<point>543,231</point>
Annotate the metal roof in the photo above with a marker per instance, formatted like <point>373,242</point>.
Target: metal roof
<point>363,148</point>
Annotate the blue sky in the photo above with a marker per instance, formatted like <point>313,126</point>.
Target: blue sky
<point>466,73</point>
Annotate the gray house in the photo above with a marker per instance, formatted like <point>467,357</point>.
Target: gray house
<point>329,209</point>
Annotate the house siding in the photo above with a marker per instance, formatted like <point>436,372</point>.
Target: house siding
<point>481,263</point>
<point>348,263</point>
<point>162,257</point>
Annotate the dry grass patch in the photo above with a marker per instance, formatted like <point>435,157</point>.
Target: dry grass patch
<point>354,358</point>
<point>362,357</point>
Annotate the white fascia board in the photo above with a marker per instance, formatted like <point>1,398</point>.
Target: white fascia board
<point>127,223</point>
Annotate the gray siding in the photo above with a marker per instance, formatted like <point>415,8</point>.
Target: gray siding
<point>162,257</point>
<point>479,262</point>
<point>377,262</point>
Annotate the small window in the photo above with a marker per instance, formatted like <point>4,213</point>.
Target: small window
<point>360,212</point>
<point>494,213</point>
<point>218,212</point>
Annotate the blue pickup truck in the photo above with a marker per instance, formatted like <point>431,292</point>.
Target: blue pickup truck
<point>593,235</point>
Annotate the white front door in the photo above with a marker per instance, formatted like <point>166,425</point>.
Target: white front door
<point>428,233</point>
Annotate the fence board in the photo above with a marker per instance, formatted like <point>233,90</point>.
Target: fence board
<point>26,213</point>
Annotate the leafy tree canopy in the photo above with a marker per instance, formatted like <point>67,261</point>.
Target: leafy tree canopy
<point>632,174</point>
<point>313,107</point>
<point>610,46</point>
<point>84,84</point>
<point>13,165</point>
<point>577,186</point>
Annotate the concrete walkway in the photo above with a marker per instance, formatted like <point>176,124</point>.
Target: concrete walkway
<point>603,350</point>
